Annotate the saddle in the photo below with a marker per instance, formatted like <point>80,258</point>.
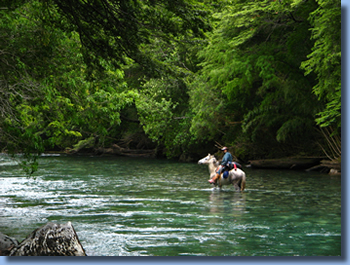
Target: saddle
<point>232,165</point>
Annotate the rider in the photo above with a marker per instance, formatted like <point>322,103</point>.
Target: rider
<point>227,158</point>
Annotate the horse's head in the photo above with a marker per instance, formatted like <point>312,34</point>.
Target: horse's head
<point>207,160</point>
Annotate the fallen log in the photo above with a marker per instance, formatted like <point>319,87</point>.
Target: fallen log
<point>334,166</point>
<point>318,168</point>
<point>285,163</point>
<point>50,240</point>
<point>331,164</point>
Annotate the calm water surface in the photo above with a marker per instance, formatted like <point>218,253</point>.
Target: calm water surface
<point>147,207</point>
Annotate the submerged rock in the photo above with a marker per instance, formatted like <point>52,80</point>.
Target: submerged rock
<point>50,240</point>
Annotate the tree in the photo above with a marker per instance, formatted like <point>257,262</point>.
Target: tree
<point>325,60</point>
<point>251,76</point>
<point>162,105</point>
<point>72,52</point>
<point>115,29</point>
<point>47,100</point>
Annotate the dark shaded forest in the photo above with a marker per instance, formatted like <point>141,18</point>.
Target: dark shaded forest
<point>171,78</point>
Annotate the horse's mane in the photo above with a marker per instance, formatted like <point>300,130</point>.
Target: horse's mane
<point>216,162</point>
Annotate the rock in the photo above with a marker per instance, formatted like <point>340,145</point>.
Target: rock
<point>6,244</point>
<point>50,240</point>
<point>334,171</point>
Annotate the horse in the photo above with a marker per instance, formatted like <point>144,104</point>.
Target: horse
<point>236,177</point>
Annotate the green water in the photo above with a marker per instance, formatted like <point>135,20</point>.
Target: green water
<point>134,207</point>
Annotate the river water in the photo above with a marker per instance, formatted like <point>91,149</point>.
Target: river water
<point>147,207</point>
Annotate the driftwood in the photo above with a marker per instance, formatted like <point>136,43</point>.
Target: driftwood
<point>332,167</point>
<point>48,240</point>
<point>332,164</point>
<point>285,163</point>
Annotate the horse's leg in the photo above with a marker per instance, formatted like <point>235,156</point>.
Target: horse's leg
<point>239,183</point>
<point>235,184</point>
<point>243,183</point>
<point>233,180</point>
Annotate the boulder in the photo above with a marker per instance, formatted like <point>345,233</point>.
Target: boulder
<point>50,240</point>
<point>6,244</point>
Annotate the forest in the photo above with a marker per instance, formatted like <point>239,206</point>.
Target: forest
<point>171,78</point>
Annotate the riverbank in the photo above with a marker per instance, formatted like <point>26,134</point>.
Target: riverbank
<point>318,164</point>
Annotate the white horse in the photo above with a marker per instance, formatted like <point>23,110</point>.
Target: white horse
<point>236,177</point>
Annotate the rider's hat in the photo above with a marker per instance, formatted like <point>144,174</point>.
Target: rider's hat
<point>224,148</point>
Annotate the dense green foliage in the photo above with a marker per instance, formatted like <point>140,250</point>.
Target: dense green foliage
<point>179,76</point>
<point>325,60</point>
<point>252,63</point>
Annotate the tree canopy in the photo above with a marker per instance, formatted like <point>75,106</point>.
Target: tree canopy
<point>179,76</point>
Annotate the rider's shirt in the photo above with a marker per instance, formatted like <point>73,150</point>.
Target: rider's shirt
<point>227,158</point>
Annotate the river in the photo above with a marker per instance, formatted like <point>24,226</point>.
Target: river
<point>147,207</point>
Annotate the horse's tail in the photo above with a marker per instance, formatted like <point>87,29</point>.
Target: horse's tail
<point>243,182</point>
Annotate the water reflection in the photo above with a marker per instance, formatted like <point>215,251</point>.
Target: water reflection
<point>228,202</point>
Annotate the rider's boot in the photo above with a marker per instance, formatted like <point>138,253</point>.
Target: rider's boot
<point>213,180</point>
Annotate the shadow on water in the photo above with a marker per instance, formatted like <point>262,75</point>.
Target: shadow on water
<point>132,207</point>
